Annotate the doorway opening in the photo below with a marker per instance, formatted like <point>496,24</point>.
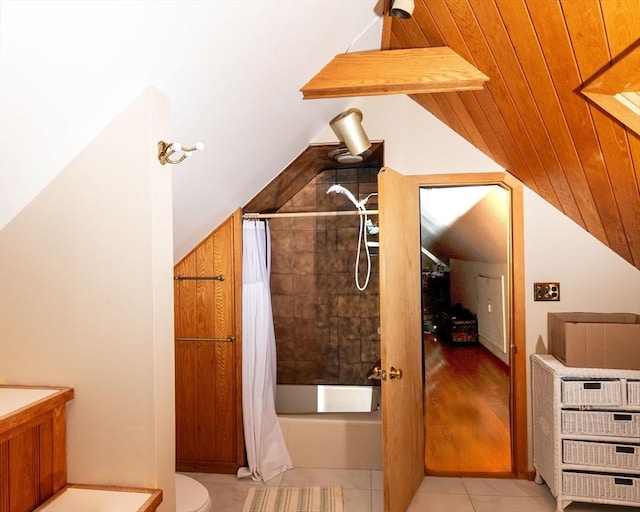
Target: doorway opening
<point>468,329</point>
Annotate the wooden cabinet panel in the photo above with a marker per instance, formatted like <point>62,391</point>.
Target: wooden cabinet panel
<point>33,453</point>
<point>209,434</point>
<point>186,400</point>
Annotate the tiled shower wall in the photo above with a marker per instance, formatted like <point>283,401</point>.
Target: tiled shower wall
<point>326,329</point>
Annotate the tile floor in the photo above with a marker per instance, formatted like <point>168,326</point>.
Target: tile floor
<point>362,491</point>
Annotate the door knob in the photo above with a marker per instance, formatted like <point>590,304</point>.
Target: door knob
<point>378,374</point>
<point>395,374</point>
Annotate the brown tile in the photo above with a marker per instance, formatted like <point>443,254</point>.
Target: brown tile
<point>374,282</point>
<point>344,261</point>
<point>323,317</point>
<point>348,225</point>
<point>304,240</point>
<point>348,306</point>
<point>369,305</point>
<point>331,352</point>
<point>304,329</point>
<point>304,224</point>
<point>347,177</point>
<point>334,333</point>
<point>284,321</point>
<point>282,283</point>
<point>369,327</point>
<point>282,330</point>
<point>305,198</point>
<point>328,176</point>
<point>349,350</point>
<point>325,263</point>
<point>331,374</point>
<point>322,336</point>
<point>282,262</point>
<point>332,239</point>
<point>321,241</point>
<point>369,175</point>
<point>350,373</point>
<point>286,372</point>
<point>331,222</point>
<point>309,350</point>
<point>305,307</point>
<point>280,225</point>
<point>349,328</point>
<point>285,349</point>
<point>304,284</point>
<point>333,303</point>
<point>365,188</point>
<point>309,372</point>
<point>369,351</point>
<point>344,283</point>
<point>321,223</point>
<point>304,262</point>
<point>282,305</point>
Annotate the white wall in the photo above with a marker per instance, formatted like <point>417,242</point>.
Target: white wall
<point>464,290</point>
<point>416,142</point>
<point>591,276</point>
<point>86,300</point>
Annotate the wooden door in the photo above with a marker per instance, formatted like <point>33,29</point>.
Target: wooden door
<point>208,383</point>
<point>401,340</point>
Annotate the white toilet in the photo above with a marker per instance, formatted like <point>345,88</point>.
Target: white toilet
<point>191,495</point>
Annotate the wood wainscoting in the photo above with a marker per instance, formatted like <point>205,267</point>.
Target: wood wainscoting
<point>209,433</point>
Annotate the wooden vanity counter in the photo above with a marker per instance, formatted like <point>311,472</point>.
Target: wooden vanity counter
<point>33,458</point>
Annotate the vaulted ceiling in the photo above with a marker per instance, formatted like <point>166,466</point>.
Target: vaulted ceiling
<point>531,117</point>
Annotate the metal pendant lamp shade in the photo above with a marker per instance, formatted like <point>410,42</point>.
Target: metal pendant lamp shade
<point>402,9</point>
<point>348,128</point>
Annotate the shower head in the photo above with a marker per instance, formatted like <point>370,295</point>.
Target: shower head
<point>339,189</point>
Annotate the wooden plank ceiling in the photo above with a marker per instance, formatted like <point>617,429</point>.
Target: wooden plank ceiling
<point>531,117</point>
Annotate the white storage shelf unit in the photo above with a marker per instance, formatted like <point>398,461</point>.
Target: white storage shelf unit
<point>586,432</point>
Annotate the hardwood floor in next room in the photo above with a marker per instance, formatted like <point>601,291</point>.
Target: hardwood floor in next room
<point>466,409</point>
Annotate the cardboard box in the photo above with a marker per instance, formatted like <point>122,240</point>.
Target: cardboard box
<point>595,340</point>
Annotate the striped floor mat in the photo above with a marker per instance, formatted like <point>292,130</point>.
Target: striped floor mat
<point>294,499</point>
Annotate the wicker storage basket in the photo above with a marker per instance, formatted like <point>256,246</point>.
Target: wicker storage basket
<point>611,487</point>
<point>606,455</point>
<point>622,424</point>
<point>592,392</point>
<point>633,392</point>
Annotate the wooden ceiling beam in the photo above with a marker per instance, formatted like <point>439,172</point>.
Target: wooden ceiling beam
<point>406,71</point>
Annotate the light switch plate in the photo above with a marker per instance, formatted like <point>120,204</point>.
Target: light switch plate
<point>546,291</point>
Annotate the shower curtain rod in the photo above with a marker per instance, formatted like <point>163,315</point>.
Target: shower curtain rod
<point>307,214</point>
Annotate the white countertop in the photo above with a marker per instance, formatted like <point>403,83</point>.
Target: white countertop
<point>84,500</point>
<point>12,399</point>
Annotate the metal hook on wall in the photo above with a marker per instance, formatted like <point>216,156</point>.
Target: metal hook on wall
<point>166,149</point>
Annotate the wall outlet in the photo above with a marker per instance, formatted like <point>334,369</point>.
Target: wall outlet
<point>546,291</point>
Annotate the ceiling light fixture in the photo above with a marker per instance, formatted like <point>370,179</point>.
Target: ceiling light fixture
<point>166,149</point>
<point>348,128</point>
<point>402,8</point>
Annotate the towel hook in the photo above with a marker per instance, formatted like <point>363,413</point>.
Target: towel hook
<point>166,149</point>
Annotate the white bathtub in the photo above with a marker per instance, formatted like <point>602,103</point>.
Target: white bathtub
<point>342,440</point>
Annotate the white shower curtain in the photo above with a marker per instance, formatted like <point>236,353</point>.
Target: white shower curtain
<point>267,453</point>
